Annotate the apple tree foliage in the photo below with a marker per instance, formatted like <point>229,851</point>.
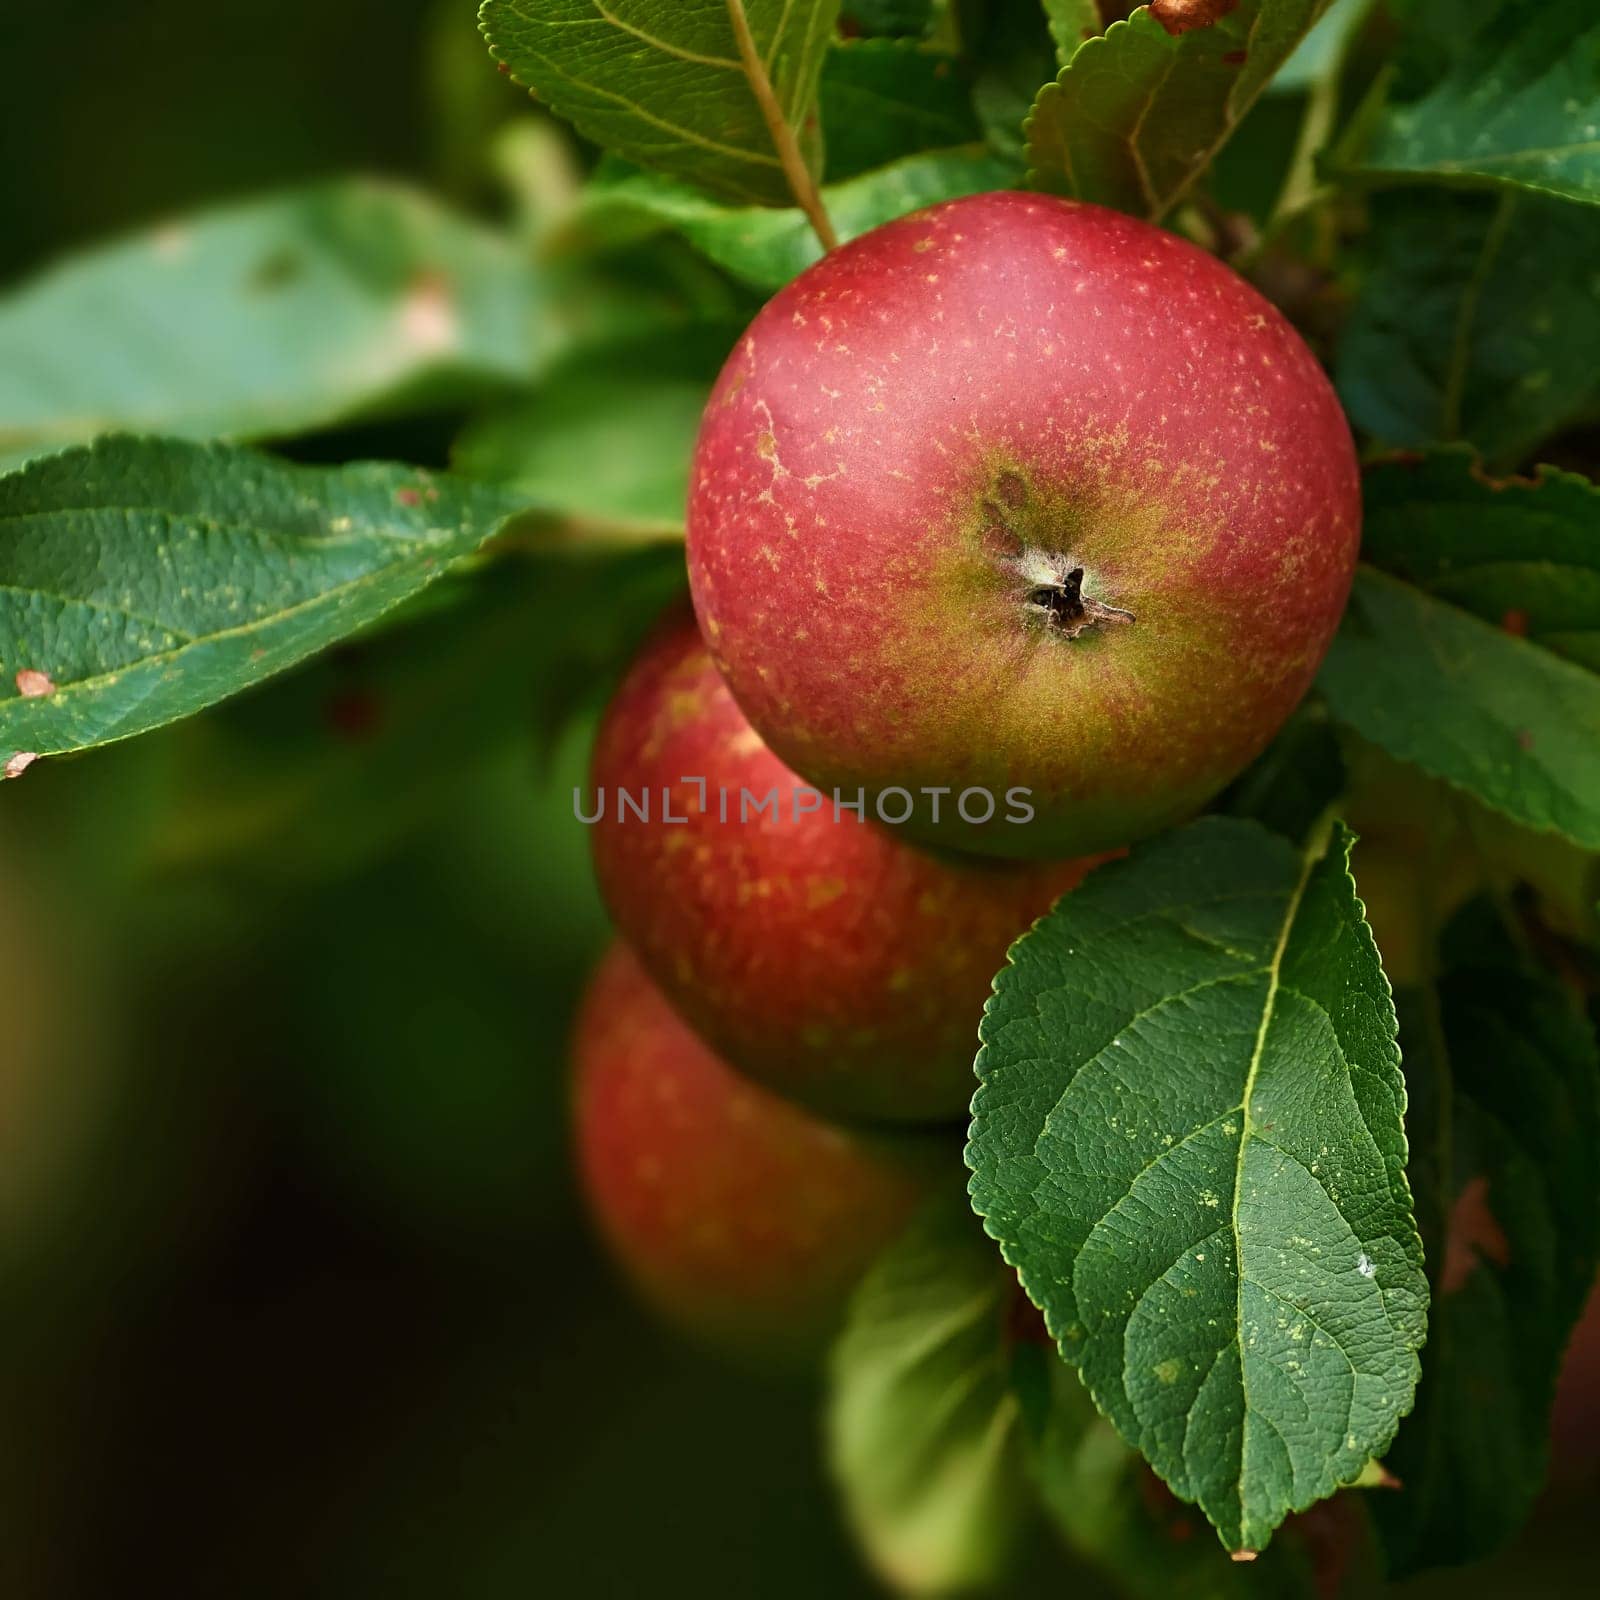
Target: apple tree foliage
<point>1268,1237</point>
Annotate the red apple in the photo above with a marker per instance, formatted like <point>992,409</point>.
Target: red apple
<point>822,954</point>
<point>744,1219</point>
<point>1021,493</point>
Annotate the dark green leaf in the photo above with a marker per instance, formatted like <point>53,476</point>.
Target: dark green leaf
<point>908,18</point>
<point>1518,105</point>
<point>142,580</point>
<point>1477,320</point>
<point>1522,553</point>
<point>1515,726</point>
<point>609,436</point>
<point>333,763</point>
<point>662,82</point>
<point>922,1421</point>
<point>1114,1515</point>
<point>1011,51</point>
<point>341,301</point>
<point>1515,1065</point>
<point>767,248</point>
<point>1189,1139</point>
<point>887,98</point>
<point>1137,114</point>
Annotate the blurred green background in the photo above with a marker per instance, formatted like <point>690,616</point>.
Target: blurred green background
<point>295,1294</point>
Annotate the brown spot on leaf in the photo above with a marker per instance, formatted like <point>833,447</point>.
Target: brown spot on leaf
<point>1236,58</point>
<point>1524,739</point>
<point>408,497</point>
<point>31,684</point>
<point>1184,16</point>
<point>1474,1236</point>
<point>1515,623</point>
<point>18,764</point>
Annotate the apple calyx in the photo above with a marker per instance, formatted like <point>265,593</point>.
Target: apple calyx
<point>1055,591</point>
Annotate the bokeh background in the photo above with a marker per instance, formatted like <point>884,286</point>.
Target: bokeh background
<point>296,1296</point>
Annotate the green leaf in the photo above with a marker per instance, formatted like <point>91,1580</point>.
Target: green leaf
<point>1522,553</point>
<point>1011,50</point>
<point>142,580</point>
<point>1320,53</point>
<point>1189,1141</point>
<point>328,767</point>
<point>609,436</point>
<point>1516,1065</point>
<point>1119,1520</point>
<point>876,18</point>
<point>1519,105</point>
<point>1512,724</point>
<point>922,1422</point>
<point>1477,320</point>
<point>767,248</point>
<point>345,300</point>
<point>663,82</point>
<point>1137,114</point>
<point>883,99</point>
<point>1071,22</point>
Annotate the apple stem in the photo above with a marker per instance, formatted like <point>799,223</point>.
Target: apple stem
<point>784,142</point>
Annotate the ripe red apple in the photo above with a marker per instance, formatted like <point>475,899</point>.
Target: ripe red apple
<point>743,1218</point>
<point>1019,492</point>
<point>825,955</point>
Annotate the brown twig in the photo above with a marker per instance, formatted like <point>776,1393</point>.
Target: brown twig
<point>783,138</point>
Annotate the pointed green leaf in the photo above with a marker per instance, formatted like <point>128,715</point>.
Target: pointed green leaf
<point>266,319</point>
<point>142,580</point>
<point>1507,1053</point>
<point>663,82</point>
<point>1189,1140</point>
<point>1114,1516</point>
<point>1137,114</point>
<point>922,1422</point>
<point>767,248</point>
<point>1519,105</point>
<point>1474,655</point>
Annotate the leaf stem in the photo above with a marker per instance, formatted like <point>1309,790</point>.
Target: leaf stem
<point>784,142</point>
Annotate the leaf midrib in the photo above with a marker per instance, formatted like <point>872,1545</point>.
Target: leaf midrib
<point>79,686</point>
<point>1274,982</point>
